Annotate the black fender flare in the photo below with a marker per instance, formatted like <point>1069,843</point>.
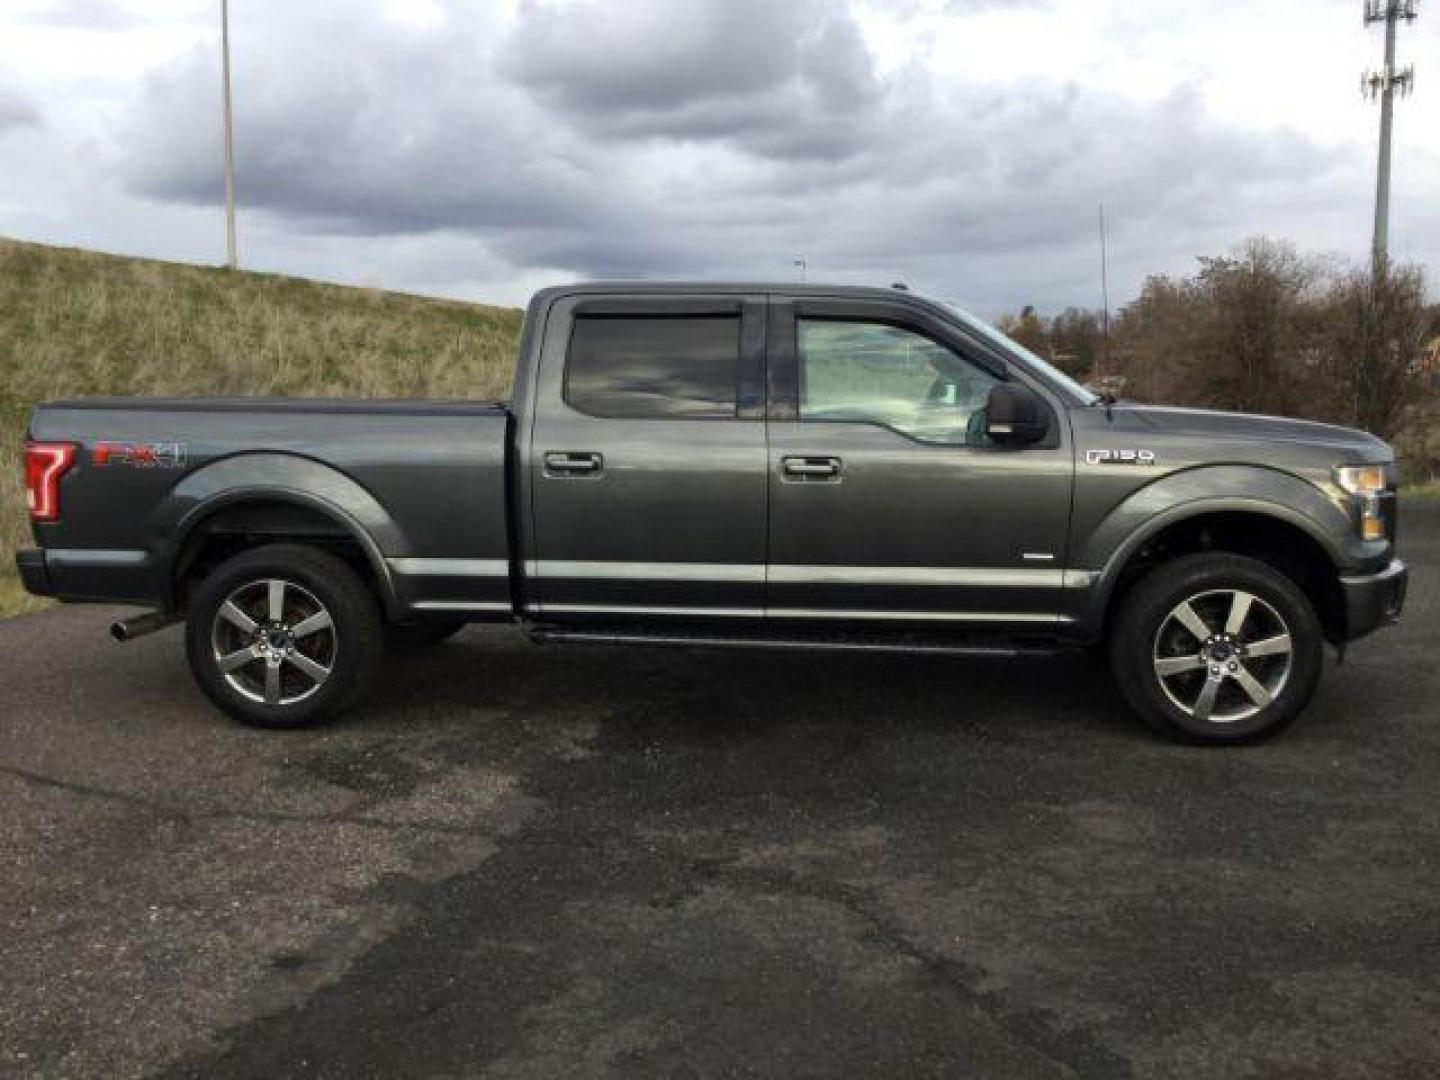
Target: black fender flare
<point>1194,493</point>
<point>267,476</point>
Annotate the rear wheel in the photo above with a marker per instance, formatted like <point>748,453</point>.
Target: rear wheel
<point>1217,648</point>
<point>284,636</point>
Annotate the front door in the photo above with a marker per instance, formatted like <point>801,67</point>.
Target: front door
<point>889,506</point>
<point>647,462</point>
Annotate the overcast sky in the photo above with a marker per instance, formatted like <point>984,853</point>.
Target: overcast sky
<point>482,148</point>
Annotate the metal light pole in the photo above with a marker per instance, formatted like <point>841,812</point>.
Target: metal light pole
<point>232,260</point>
<point>800,265</point>
<point>1383,84</point>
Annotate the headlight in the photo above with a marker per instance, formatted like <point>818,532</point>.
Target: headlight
<point>1365,483</point>
<point>1361,479</point>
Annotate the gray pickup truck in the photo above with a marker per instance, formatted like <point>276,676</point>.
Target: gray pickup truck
<point>770,465</point>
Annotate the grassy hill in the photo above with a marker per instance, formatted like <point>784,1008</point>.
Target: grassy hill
<point>76,323</point>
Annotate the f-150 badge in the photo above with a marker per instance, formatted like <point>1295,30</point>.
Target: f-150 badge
<point>1119,457</point>
<point>168,455</point>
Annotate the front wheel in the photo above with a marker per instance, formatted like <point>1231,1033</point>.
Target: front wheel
<point>284,636</point>
<point>1217,648</point>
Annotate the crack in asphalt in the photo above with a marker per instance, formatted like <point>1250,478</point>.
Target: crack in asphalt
<point>1028,1031</point>
<point>1071,1055</point>
<point>272,817</point>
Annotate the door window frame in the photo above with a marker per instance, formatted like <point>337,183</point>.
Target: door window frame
<point>750,371</point>
<point>783,371</point>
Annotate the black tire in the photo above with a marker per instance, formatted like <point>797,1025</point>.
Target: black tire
<point>421,635</point>
<point>349,647</point>
<point>1240,686</point>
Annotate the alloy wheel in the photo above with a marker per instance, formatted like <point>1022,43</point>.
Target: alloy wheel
<point>274,641</point>
<point>1222,656</point>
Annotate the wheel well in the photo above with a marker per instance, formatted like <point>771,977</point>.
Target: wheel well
<point>254,523</point>
<point>1286,547</point>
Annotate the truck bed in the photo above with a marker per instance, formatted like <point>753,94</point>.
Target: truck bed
<point>386,406</point>
<point>420,484</point>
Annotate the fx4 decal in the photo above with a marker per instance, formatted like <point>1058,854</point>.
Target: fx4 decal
<point>1119,457</point>
<point>167,455</point>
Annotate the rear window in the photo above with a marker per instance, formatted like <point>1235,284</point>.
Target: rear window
<point>654,367</point>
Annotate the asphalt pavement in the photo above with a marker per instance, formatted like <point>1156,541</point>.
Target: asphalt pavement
<point>546,862</point>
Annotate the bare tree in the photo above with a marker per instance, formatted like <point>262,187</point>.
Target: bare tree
<point>1376,325</point>
<point>1158,343</point>
<point>1075,341</point>
<point>1260,304</point>
<point>1027,329</point>
<point>1239,334</point>
<point>1267,329</point>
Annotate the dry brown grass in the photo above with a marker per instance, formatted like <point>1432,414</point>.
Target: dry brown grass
<point>76,323</point>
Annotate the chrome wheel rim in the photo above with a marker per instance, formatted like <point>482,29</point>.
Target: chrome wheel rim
<point>1222,656</point>
<point>274,641</point>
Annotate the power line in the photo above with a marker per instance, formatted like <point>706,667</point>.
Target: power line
<point>1383,84</point>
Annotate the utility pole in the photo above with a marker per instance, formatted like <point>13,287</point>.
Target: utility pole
<point>1383,84</point>
<point>1104,357</point>
<point>232,260</point>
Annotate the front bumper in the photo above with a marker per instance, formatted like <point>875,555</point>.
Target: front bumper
<point>1373,600</point>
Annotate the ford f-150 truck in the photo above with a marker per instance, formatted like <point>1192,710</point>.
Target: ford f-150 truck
<point>727,465</point>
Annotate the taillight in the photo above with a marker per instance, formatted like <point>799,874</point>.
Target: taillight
<point>45,463</point>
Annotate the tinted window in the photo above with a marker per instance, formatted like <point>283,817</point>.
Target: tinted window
<point>654,367</point>
<point>886,375</point>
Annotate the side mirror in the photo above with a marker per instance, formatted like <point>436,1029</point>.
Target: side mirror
<point>1015,414</point>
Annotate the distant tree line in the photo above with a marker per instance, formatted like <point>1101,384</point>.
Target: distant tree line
<point>1264,329</point>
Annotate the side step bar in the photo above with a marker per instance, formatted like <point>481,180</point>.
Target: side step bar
<point>903,645</point>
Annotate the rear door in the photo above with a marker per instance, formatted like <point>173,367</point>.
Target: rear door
<point>647,462</point>
<point>888,504</point>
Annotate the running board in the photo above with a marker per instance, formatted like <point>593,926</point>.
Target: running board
<point>916,644</point>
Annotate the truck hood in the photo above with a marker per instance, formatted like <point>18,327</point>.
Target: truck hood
<point>1351,443</point>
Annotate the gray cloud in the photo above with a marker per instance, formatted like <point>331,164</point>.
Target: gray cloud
<point>699,71</point>
<point>87,14</point>
<point>715,137</point>
<point>973,7</point>
<point>16,111</point>
<point>352,124</point>
<point>654,55</point>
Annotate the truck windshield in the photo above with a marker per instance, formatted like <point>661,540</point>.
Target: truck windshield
<point>1083,395</point>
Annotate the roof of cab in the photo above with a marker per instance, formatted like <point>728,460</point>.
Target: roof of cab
<point>675,288</point>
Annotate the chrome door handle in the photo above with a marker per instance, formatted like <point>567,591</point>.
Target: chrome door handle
<point>812,468</point>
<point>564,463</point>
